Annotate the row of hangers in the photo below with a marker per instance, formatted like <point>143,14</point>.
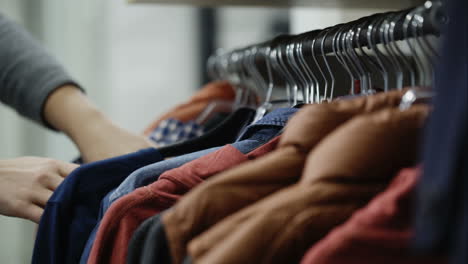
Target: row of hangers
<point>391,49</point>
<point>394,49</point>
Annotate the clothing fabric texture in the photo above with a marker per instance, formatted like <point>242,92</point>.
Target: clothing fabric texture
<point>217,90</point>
<point>125,215</point>
<point>143,177</point>
<point>137,242</point>
<point>255,134</point>
<point>156,249</point>
<point>379,233</point>
<point>171,131</point>
<point>225,133</point>
<point>151,173</point>
<point>292,219</point>
<point>29,74</point>
<point>441,216</point>
<point>232,190</point>
<point>72,211</point>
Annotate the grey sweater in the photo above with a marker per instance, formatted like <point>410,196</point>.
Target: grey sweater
<point>28,74</point>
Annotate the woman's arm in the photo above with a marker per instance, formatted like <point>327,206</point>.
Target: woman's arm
<point>95,135</point>
<point>37,87</point>
<point>28,73</point>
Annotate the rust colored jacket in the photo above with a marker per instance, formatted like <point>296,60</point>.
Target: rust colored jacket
<point>237,188</point>
<point>342,174</point>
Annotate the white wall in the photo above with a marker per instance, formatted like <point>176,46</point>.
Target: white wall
<point>135,61</point>
<point>242,26</point>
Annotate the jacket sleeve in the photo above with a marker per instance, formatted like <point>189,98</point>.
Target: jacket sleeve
<point>28,73</point>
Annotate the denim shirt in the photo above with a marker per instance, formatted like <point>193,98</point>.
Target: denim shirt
<point>254,136</point>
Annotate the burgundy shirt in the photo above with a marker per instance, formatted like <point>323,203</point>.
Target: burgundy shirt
<point>380,233</point>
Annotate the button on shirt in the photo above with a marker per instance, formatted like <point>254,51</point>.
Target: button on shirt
<point>72,211</point>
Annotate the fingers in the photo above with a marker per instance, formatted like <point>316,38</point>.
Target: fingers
<point>33,212</point>
<point>66,168</point>
<point>27,183</point>
<point>41,196</point>
<point>52,182</point>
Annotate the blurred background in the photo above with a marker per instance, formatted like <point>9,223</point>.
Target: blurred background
<point>135,61</point>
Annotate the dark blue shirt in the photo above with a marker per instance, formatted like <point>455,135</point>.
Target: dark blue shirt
<point>72,211</point>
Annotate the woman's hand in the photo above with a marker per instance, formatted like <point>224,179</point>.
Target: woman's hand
<point>27,183</point>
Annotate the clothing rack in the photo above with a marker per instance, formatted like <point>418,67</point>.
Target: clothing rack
<point>431,19</point>
<point>346,41</point>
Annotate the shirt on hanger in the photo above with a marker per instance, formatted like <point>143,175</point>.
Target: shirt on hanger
<point>204,207</point>
<point>171,131</point>
<point>380,233</point>
<point>150,174</point>
<point>276,118</point>
<point>72,211</point>
<point>155,247</point>
<point>347,169</point>
<point>138,240</point>
<point>254,135</point>
<point>217,90</point>
<point>125,215</point>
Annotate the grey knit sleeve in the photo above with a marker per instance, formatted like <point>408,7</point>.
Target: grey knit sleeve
<point>28,74</point>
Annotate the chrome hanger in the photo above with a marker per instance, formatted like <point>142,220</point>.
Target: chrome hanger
<point>276,67</point>
<point>391,47</point>
<point>380,58</point>
<point>359,54</point>
<point>313,83</point>
<point>416,21</point>
<point>347,59</point>
<point>290,79</point>
<point>320,98</point>
<point>336,50</point>
<point>407,24</point>
<point>327,64</point>
<point>368,59</point>
<point>296,68</point>
<point>360,67</point>
<point>406,62</point>
<point>395,64</point>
